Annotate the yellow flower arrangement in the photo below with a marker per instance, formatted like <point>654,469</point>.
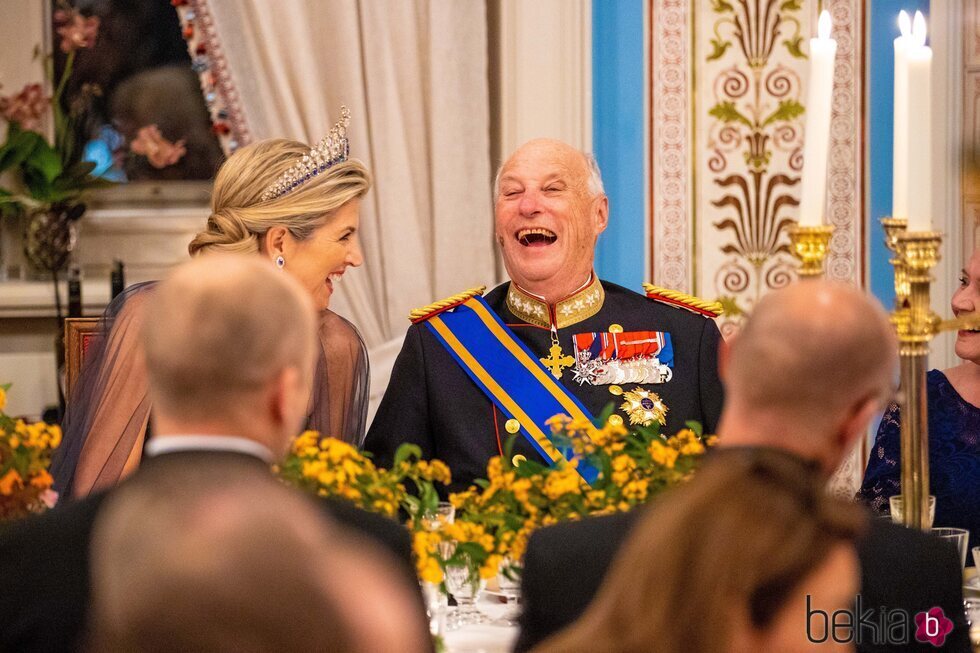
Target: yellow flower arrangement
<point>329,467</point>
<point>496,516</point>
<point>25,455</point>
<point>634,465</point>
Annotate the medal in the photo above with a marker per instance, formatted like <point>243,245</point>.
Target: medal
<point>644,407</point>
<point>556,361</point>
<point>618,357</point>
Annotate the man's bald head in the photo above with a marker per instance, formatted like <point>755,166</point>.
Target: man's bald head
<point>219,330</point>
<point>217,555</point>
<point>810,353</point>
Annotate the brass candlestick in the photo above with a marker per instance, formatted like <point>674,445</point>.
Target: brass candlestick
<point>916,253</point>
<point>810,247</point>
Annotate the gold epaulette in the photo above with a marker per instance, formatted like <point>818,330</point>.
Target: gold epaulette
<point>683,300</point>
<point>424,313</point>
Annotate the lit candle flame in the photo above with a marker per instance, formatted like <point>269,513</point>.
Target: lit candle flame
<point>904,23</point>
<point>919,29</point>
<point>824,25</point>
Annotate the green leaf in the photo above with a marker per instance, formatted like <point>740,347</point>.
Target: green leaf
<point>19,146</point>
<point>719,48</point>
<point>413,505</point>
<point>793,47</point>
<point>405,451</point>
<point>482,483</point>
<point>726,112</point>
<point>696,427</point>
<point>786,111</point>
<point>45,160</point>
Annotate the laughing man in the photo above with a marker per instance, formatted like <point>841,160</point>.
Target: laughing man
<point>475,371</point>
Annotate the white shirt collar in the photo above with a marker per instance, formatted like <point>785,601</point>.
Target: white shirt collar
<point>161,444</point>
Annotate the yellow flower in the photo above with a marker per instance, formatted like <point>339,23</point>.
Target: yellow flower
<point>43,480</point>
<point>636,490</point>
<point>662,455</point>
<point>9,480</point>
<point>561,482</point>
<point>3,398</point>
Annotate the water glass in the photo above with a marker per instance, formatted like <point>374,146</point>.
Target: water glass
<point>434,520</point>
<point>509,582</point>
<point>956,536</point>
<point>464,583</point>
<point>896,504</point>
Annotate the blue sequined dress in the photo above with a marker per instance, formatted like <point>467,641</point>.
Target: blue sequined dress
<point>954,459</point>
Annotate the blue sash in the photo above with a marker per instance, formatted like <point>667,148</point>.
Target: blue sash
<point>510,375</point>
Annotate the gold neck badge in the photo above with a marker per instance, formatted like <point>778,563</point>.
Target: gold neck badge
<point>579,306</point>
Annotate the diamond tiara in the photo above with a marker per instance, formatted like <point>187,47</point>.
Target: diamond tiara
<point>333,149</point>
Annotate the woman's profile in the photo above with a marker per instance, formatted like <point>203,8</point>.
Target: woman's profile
<point>293,205</point>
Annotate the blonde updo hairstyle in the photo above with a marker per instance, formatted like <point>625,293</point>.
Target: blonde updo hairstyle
<point>239,218</point>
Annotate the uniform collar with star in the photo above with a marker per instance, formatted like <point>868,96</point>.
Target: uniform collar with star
<point>580,305</point>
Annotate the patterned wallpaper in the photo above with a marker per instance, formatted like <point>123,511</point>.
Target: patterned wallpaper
<point>726,92</point>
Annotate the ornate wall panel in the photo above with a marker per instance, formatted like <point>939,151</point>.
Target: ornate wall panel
<point>727,86</point>
<point>727,83</point>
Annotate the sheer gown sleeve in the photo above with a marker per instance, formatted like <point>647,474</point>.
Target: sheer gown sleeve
<point>107,414</point>
<point>340,388</point>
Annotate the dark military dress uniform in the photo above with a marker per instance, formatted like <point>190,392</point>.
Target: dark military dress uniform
<point>432,402</point>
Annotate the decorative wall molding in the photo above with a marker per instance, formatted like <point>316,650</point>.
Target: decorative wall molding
<point>670,143</point>
<point>544,56</point>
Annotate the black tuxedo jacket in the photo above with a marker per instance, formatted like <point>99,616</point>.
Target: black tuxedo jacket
<point>900,568</point>
<point>430,401</point>
<point>44,563</point>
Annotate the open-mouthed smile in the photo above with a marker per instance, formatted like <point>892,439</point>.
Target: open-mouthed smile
<point>536,237</point>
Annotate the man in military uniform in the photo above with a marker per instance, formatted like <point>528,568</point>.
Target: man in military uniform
<point>654,357</point>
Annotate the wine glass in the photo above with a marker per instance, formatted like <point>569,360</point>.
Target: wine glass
<point>509,581</point>
<point>462,577</point>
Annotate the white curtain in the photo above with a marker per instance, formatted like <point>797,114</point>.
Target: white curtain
<point>414,75</point>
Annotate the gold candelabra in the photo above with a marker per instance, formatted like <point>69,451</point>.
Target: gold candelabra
<point>916,253</point>
<point>810,245</point>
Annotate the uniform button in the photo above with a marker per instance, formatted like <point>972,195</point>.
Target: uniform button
<point>517,460</point>
<point>512,426</point>
<point>615,328</point>
<point>615,420</point>
<point>615,390</point>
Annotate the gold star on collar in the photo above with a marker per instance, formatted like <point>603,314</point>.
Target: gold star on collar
<point>644,407</point>
<point>578,306</point>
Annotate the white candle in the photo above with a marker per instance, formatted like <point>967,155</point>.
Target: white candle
<point>920,128</point>
<point>900,139</point>
<point>816,136</point>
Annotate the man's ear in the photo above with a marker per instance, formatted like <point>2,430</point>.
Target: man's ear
<point>602,213</point>
<point>857,420</point>
<point>275,241</point>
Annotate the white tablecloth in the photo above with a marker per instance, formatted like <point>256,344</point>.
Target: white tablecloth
<point>483,638</point>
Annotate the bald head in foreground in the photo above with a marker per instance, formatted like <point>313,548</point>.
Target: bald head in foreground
<point>229,344</point>
<point>208,557</point>
<point>813,365</point>
<point>230,350</point>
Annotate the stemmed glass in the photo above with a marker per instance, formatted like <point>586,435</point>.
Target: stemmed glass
<point>436,600</point>
<point>509,581</point>
<point>464,583</point>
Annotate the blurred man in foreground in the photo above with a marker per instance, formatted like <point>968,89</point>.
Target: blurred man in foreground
<point>813,365</point>
<point>229,348</point>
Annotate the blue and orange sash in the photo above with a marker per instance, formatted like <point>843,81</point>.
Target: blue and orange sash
<point>510,375</point>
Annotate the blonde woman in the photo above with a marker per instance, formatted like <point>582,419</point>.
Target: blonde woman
<point>296,207</point>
